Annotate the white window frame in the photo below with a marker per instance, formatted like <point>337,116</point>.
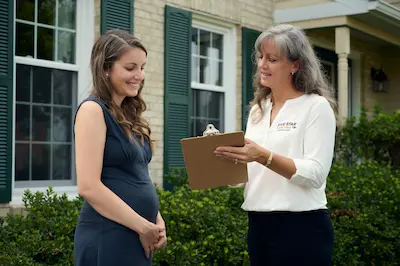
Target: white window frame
<point>84,41</point>
<point>228,31</point>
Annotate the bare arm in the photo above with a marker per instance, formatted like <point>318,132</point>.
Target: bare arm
<point>280,164</point>
<point>90,135</point>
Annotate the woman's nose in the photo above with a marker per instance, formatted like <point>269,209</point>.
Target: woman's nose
<point>263,64</point>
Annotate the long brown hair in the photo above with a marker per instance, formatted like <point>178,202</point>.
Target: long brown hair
<point>106,50</point>
<point>293,43</point>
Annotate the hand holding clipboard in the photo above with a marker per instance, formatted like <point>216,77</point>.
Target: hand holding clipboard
<point>203,168</point>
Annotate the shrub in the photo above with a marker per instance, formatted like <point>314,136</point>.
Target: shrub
<point>364,202</point>
<point>376,138</point>
<point>205,227</point>
<point>208,227</point>
<point>45,234</point>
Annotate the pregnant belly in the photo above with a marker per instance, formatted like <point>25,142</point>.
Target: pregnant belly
<point>141,197</point>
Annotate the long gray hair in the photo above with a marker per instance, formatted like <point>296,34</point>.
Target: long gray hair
<point>293,43</point>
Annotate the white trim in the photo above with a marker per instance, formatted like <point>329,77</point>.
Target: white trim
<point>44,63</point>
<point>324,10</point>
<point>84,42</point>
<point>336,9</point>
<point>85,35</point>
<point>385,8</point>
<point>209,20</point>
<point>17,193</point>
<point>228,30</point>
<point>207,87</point>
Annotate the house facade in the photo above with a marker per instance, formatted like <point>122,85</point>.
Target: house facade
<point>199,71</point>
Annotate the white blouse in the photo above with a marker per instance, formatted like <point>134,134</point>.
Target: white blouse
<point>303,130</point>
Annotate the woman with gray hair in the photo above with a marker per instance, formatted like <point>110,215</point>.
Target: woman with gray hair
<point>289,150</point>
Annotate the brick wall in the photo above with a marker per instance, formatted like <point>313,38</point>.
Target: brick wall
<point>149,27</point>
<point>281,4</point>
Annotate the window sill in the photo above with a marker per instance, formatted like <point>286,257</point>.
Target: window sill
<point>17,194</point>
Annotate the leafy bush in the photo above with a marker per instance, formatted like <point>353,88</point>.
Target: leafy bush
<point>364,202</point>
<point>204,227</point>
<point>208,227</point>
<point>376,138</point>
<point>44,235</point>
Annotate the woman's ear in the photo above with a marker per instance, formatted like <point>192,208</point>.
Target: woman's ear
<point>295,67</point>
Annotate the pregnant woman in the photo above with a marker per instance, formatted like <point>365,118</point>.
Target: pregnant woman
<point>119,223</point>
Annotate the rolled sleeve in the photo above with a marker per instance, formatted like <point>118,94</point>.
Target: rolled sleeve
<point>318,148</point>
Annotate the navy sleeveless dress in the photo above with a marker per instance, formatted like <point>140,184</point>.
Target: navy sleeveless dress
<point>99,241</point>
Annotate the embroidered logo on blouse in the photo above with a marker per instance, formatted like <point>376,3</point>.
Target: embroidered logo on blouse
<point>286,126</point>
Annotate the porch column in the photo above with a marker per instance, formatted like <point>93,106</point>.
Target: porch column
<point>342,48</point>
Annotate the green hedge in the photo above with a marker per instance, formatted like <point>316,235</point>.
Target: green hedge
<point>208,227</point>
<point>372,138</point>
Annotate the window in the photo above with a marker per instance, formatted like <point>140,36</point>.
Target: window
<point>46,87</point>
<point>211,59</point>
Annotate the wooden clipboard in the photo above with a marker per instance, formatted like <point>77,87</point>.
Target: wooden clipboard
<point>204,169</point>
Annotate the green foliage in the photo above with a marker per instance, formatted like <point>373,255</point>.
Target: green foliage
<point>375,138</point>
<point>44,235</point>
<point>208,227</point>
<point>205,227</point>
<point>364,202</point>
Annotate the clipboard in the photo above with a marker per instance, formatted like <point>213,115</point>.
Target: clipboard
<point>204,169</point>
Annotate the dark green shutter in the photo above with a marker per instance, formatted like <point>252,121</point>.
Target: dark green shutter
<point>6,97</point>
<point>116,14</point>
<point>177,91</point>
<point>249,37</point>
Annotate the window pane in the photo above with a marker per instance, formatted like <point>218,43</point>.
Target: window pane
<point>195,44</point>
<point>40,162</point>
<point>45,43</point>
<point>25,10</point>
<point>205,71</point>
<point>24,40</point>
<point>62,124</point>
<point>61,162</point>
<point>22,162</point>
<point>48,123</point>
<point>216,71</point>
<point>208,108</point>
<point>217,46</point>
<point>66,47</point>
<point>40,123</point>
<point>208,104</point>
<point>63,86</point>
<point>46,11</point>
<point>23,83</point>
<point>22,123</point>
<point>195,68</point>
<point>205,38</point>
<point>67,13</point>
<point>41,85</point>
